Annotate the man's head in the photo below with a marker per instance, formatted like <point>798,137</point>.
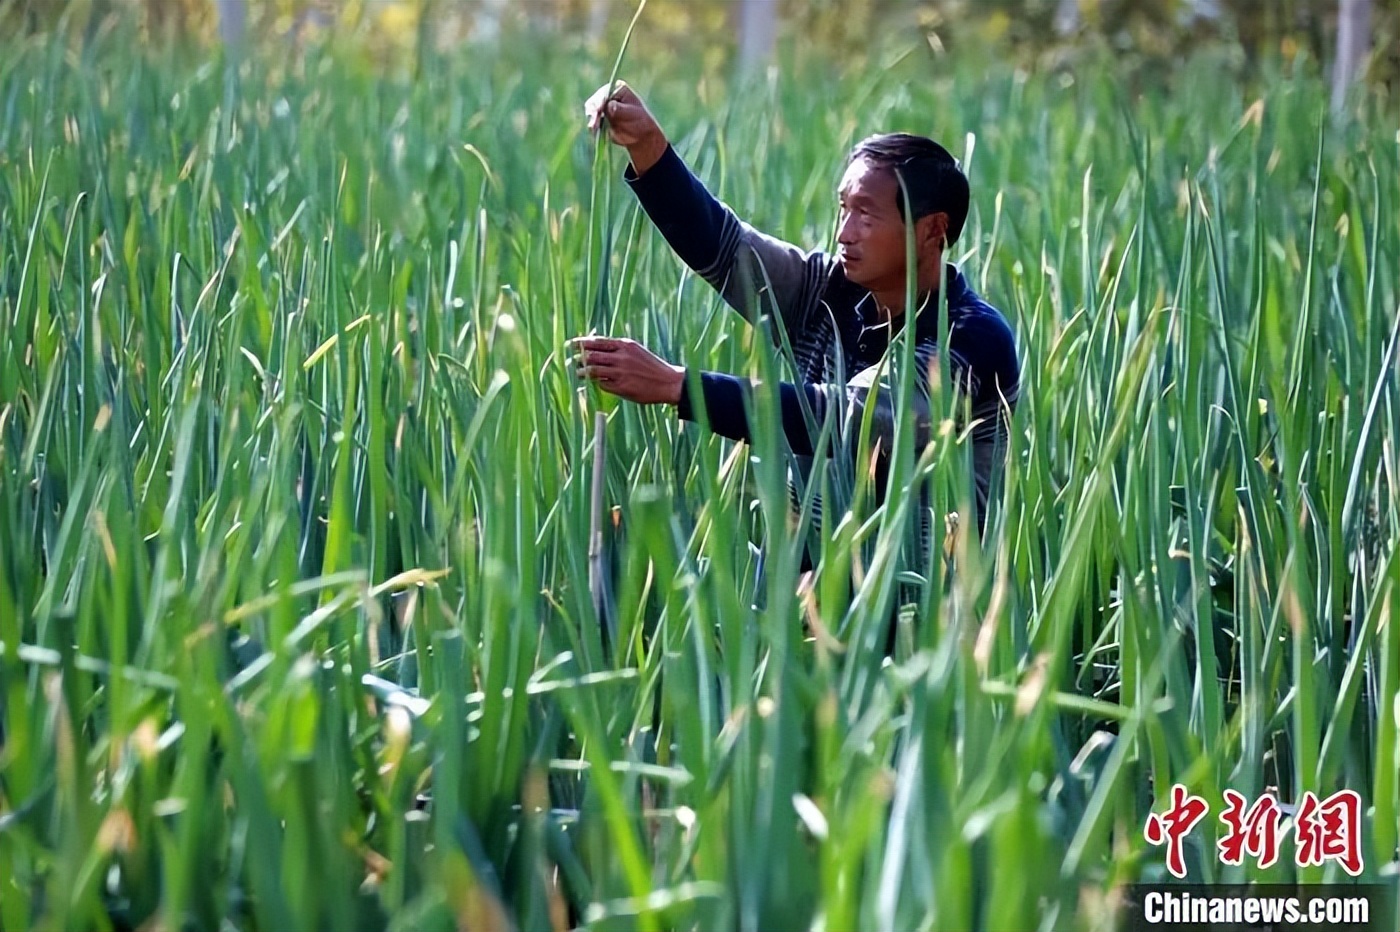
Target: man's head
<point>871,233</point>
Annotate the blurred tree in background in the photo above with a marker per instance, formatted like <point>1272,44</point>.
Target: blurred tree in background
<point>1148,37</point>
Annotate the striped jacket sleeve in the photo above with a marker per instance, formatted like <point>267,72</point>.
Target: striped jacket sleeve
<point>755,273</point>
<point>980,402</point>
<point>725,398</point>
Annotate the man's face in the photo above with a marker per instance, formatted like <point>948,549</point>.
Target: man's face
<point>870,234</point>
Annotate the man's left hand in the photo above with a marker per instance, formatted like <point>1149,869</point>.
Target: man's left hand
<point>629,370</point>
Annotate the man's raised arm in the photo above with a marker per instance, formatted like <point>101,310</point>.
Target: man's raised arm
<point>753,272</point>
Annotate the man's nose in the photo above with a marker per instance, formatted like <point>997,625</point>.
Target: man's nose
<point>844,232</point>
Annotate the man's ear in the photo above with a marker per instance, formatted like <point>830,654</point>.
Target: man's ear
<point>930,230</point>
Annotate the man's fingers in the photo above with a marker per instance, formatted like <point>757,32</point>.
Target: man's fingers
<point>606,92</point>
<point>601,344</point>
<point>594,358</point>
<point>600,373</point>
<point>606,98</point>
<point>618,91</point>
<point>620,111</point>
<point>597,357</point>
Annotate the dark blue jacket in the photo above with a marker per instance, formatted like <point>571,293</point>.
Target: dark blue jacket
<point>826,316</point>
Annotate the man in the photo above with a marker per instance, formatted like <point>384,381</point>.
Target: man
<point>849,305</point>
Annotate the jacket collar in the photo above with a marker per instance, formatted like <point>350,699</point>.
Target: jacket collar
<point>875,334</point>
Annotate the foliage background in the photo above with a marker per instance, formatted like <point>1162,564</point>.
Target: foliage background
<point>295,487</point>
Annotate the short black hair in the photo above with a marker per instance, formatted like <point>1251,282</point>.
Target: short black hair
<point>933,178</point>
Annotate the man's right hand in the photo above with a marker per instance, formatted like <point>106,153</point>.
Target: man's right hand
<point>630,124</point>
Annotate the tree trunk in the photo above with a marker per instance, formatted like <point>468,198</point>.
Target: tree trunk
<point>1067,17</point>
<point>1206,9</point>
<point>1353,45</point>
<point>597,20</point>
<point>490,18</point>
<point>758,32</point>
<point>233,22</point>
